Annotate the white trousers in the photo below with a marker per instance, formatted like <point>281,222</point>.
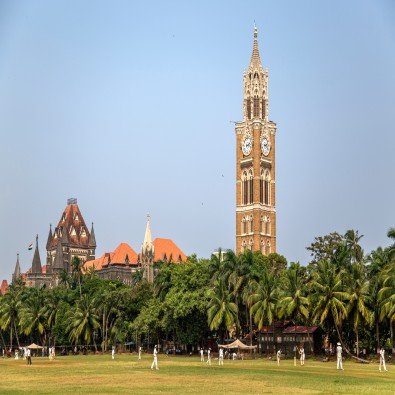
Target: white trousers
<point>278,361</point>
<point>220,360</point>
<point>340,363</point>
<point>302,358</point>
<point>382,363</point>
<point>155,363</point>
<point>208,361</point>
<point>202,358</point>
<point>139,355</point>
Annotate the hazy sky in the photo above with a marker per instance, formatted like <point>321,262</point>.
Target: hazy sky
<point>127,106</point>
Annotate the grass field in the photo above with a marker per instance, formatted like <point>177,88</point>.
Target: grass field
<point>182,375</point>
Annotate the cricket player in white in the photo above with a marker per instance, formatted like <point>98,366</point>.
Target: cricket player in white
<point>139,352</point>
<point>339,352</point>
<point>113,352</point>
<point>302,356</point>
<point>278,357</point>
<point>382,359</point>
<point>201,355</point>
<point>209,357</point>
<point>221,357</point>
<point>155,361</point>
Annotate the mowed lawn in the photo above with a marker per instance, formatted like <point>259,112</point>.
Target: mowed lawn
<point>182,375</point>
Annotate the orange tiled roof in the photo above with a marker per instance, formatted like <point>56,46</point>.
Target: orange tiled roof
<point>122,255</point>
<point>4,287</point>
<point>166,249</point>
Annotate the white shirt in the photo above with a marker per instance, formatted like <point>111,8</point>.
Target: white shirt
<point>339,351</point>
<point>201,352</point>
<point>28,352</point>
<point>278,353</point>
<point>155,352</point>
<point>221,352</point>
<point>208,353</point>
<point>382,353</point>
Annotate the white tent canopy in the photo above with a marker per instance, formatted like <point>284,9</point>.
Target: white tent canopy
<point>237,344</point>
<point>34,346</point>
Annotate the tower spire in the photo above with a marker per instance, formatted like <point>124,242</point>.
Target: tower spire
<point>49,240</point>
<point>17,271</point>
<point>36,264</point>
<point>255,58</point>
<point>92,239</point>
<point>147,243</point>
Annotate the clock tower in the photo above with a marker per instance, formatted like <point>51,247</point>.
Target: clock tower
<point>255,163</point>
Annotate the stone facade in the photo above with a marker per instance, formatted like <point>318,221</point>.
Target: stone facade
<point>255,163</point>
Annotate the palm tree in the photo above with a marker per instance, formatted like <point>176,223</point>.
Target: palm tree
<point>31,316</point>
<point>352,239</point>
<point>9,311</point>
<point>76,267</point>
<point>293,303</point>
<point>83,321</point>
<point>386,297</point>
<point>221,312</point>
<point>359,297</point>
<point>329,296</point>
<point>53,301</point>
<point>264,300</point>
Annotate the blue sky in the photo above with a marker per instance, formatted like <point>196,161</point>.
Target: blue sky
<point>127,106</point>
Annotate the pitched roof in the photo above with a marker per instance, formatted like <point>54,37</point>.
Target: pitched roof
<point>300,329</point>
<point>166,249</point>
<point>122,255</point>
<point>17,271</point>
<point>77,232</point>
<point>49,240</point>
<point>4,287</point>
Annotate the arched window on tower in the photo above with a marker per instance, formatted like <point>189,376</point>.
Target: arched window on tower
<point>250,186</point>
<point>261,187</point>
<point>267,226</point>
<point>256,107</point>
<point>263,108</point>
<point>267,187</point>
<point>243,245</point>
<point>249,108</point>
<point>244,187</point>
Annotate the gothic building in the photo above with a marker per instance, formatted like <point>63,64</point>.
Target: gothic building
<point>124,261</point>
<point>255,163</point>
<point>71,238</point>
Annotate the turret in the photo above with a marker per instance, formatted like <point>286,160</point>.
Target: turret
<point>17,272</point>
<point>36,264</point>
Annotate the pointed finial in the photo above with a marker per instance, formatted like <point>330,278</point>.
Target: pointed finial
<point>37,240</point>
<point>255,58</point>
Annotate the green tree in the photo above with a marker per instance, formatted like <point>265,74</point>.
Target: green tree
<point>10,305</point>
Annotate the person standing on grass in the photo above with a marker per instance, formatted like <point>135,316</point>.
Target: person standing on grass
<point>201,355</point>
<point>113,352</point>
<point>16,354</point>
<point>139,352</point>
<point>278,357</point>
<point>339,354</point>
<point>209,357</point>
<point>302,355</point>
<point>382,359</point>
<point>221,357</point>
<point>155,361</point>
<point>29,357</point>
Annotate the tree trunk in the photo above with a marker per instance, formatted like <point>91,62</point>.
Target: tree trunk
<point>10,337</point>
<point>16,335</point>
<point>357,338</point>
<point>392,336</point>
<point>377,337</point>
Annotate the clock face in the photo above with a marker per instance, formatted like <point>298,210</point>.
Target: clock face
<point>265,145</point>
<point>246,146</point>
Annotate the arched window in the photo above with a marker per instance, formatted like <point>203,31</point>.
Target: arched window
<point>251,224</point>
<point>244,187</point>
<point>249,108</point>
<point>267,187</point>
<point>243,245</point>
<point>256,107</point>
<point>261,187</point>
<point>263,108</point>
<point>250,244</point>
<point>250,187</point>
<point>243,226</point>
<point>267,226</point>
<point>263,246</point>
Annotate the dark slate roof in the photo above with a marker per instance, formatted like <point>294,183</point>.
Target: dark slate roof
<point>49,240</point>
